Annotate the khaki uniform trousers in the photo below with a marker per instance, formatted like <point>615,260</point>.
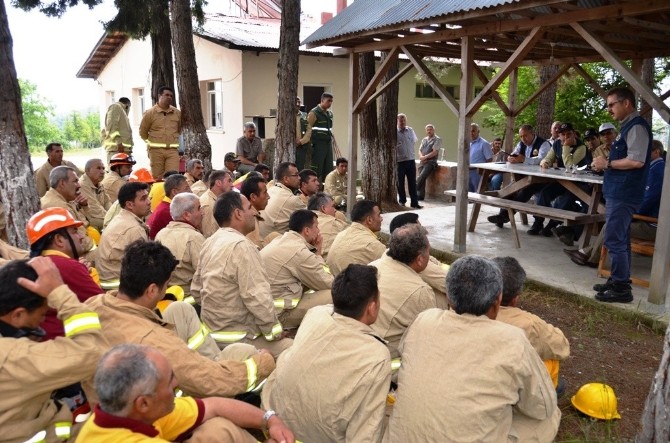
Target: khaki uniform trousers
<point>291,318</point>
<point>221,430</point>
<point>162,160</point>
<point>275,347</point>
<point>525,429</point>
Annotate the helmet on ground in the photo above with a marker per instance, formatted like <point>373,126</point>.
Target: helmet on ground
<point>142,175</point>
<point>596,400</point>
<point>175,293</point>
<point>47,221</point>
<point>121,159</point>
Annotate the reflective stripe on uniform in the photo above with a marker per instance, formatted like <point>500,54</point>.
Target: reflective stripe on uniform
<point>190,300</point>
<point>108,285</point>
<point>286,303</point>
<point>318,128</point>
<point>395,364</point>
<point>63,429</point>
<point>81,322</point>
<point>178,393</point>
<point>327,269</point>
<point>38,438</point>
<point>276,331</point>
<point>260,386</point>
<point>151,144</point>
<point>197,339</point>
<point>228,336</point>
<point>252,373</point>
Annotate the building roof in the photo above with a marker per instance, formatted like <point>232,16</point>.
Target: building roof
<point>103,51</point>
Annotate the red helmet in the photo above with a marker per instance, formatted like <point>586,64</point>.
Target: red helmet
<point>47,221</point>
<point>121,159</point>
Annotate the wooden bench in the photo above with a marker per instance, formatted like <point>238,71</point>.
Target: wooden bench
<point>638,246</point>
<point>568,217</point>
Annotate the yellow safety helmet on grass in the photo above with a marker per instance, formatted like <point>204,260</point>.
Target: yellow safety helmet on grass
<point>176,291</point>
<point>596,400</point>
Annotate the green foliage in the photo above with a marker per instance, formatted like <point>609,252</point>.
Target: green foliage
<point>38,115</point>
<point>53,8</point>
<point>528,78</point>
<point>82,131</point>
<point>135,17</point>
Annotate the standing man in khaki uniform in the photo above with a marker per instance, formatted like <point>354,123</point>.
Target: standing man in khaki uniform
<point>330,224</point>
<point>337,182</point>
<point>160,129</point>
<point>328,392</point>
<point>129,316</point>
<point>283,201</point>
<point>123,230</point>
<point>92,189</point>
<point>256,191</point>
<point>183,238</point>
<point>358,243</point>
<point>487,383</point>
<point>54,159</point>
<point>231,285</point>
<point>31,371</point>
<point>294,261</point>
<point>194,171</point>
<point>404,295</point>
<point>118,135</point>
<point>120,167</point>
<point>220,182</point>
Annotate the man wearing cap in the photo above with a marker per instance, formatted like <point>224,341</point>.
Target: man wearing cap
<point>283,201</point>
<point>231,163</point>
<point>92,189</point>
<point>608,135</point>
<point>626,172</point>
<point>160,129</point>
<point>220,182</point>
<point>120,166</point>
<point>54,158</point>
<point>592,141</point>
<point>249,149</point>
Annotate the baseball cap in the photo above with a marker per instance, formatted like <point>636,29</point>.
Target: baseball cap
<point>590,133</point>
<point>231,157</point>
<point>606,126</point>
<point>565,127</point>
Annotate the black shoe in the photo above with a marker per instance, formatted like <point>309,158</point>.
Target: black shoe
<point>618,293</point>
<point>546,231</point>
<point>499,220</point>
<point>420,198</point>
<point>578,258</point>
<point>536,229</point>
<point>602,287</point>
<point>417,206</point>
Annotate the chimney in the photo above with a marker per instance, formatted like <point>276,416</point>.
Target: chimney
<point>341,4</point>
<point>325,16</point>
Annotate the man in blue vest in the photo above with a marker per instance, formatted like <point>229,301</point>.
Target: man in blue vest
<point>319,133</point>
<point>625,177</point>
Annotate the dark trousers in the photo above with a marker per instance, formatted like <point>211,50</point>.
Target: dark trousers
<point>301,156</point>
<point>424,173</point>
<point>407,169</point>
<point>618,218</point>
<point>524,195</point>
<point>322,158</point>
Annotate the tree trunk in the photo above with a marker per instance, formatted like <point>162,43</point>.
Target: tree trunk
<point>287,76</point>
<point>162,73</point>
<point>388,115</point>
<point>648,79</point>
<point>196,142</point>
<point>17,186</point>
<point>371,153</point>
<point>546,102</point>
<point>655,423</point>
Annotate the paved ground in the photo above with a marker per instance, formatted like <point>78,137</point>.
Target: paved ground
<point>542,257</point>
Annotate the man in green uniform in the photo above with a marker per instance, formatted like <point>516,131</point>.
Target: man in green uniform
<point>319,133</point>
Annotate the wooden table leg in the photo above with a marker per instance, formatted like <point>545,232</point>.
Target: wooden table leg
<point>512,222</point>
<point>474,214</point>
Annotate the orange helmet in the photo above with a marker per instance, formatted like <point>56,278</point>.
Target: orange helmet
<point>142,175</point>
<point>47,221</point>
<point>121,159</point>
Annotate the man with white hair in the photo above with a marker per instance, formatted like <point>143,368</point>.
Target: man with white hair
<point>428,152</point>
<point>480,152</point>
<point>194,171</point>
<point>249,149</point>
<point>183,238</point>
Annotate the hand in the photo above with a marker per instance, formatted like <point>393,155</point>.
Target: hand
<point>48,277</point>
<point>81,199</point>
<point>278,431</point>
<point>318,243</point>
<point>544,165</point>
<point>297,142</point>
<point>599,163</point>
<point>86,263</point>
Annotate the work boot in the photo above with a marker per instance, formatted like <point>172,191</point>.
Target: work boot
<point>602,287</point>
<point>499,219</point>
<point>619,292</point>
<point>547,231</point>
<point>536,229</point>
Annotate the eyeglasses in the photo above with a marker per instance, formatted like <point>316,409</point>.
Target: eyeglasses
<point>611,105</point>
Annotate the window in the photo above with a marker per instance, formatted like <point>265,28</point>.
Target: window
<point>214,104</point>
<point>138,103</point>
<point>424,90</point>
<point>110,97</point>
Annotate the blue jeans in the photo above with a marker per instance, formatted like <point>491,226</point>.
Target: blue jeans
<point>618,218</point>
<point>473,180</point>
<point>424,173</point>
<point>496,182</point>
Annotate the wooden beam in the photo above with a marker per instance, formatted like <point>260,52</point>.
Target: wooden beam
<point>594,84</point>
<point>393,79</point>
<point>510,121</point>
<point>433,81</point>
<point>484,79</point>
<point>645,24</point>
<point>353,132</point>
<point>376,79</point>
<point>541,89</point>
<point>658,282</point>
<point>634,80</point>
<point>646,108</point>
<point>512,63</point>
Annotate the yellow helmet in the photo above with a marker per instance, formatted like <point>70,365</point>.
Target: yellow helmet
<point>176,291</point>
<point>596,400</point>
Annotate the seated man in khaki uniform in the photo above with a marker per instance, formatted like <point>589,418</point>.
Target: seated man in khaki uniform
<point>231,285</point>
<point>92,189</point>
<point>292,263</point>
<point>482,378</point>
<point>220,182</point>
<point>550,343</point>
<point>404,295</point>
<point>54,159</point>
<point>283,201</point>
<point>254,188</point>
<point>123,230</point>
<point>331,221</point>
<point>194,171</point>
<point>183,238</point>
<point>309,185</point>
<point>120,166</point>
<point>358,243</point>
<point>327,391</point>
<point>336,182</point>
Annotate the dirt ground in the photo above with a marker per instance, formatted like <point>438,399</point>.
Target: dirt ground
<point>608,346</point>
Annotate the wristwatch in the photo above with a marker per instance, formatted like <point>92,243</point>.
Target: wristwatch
<point>267,416</point>
<point>609,164</point>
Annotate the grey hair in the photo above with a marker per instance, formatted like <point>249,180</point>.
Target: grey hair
<point>402,115</point>
<point>89,164</point>
<point>430,125</point>
<point>123,374</point>
<point>513,276</point>
<point>249,125</point>
<point>182,203</point>
<point>528,128</point>
<point>473,284</point>
<point>407,243</point>
<point>58,174</point>
<point>191,164</point>
<point>317,200</point>
<point>474,125</point>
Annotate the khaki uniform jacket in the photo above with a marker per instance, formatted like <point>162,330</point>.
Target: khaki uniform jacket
<point>98,201</point>
<point>290,263</point>
<point>602,151</point>
<point>231,285</point>
<point>255,235</point>
<point>9,252</point>
<point>189,179</point>
<point>336,184</point>
<point>161,129</point>
<point>199,188</point>
<point>356,244</point>
<point>329,227</point>
<point>124,229</point>
<point>549,341</point>
<point>435,275</point>
<point>42,176</point>
<point>185,242</point>
<point>209,225</point>
<point>279,209</point>
<point>327,392</point>
<point>127,322</point>
<point>31,371</point>
<point>479,377</point>
<point>112,182</point>
<point>54,199</point>
<point>117,128</point>
<point>403,296</point>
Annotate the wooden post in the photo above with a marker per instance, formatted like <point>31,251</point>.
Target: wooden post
<point>353,132</point>
<point>658,282</point>
<point>655,424</point>
<point>511,104</point>
<point>462,172</point>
